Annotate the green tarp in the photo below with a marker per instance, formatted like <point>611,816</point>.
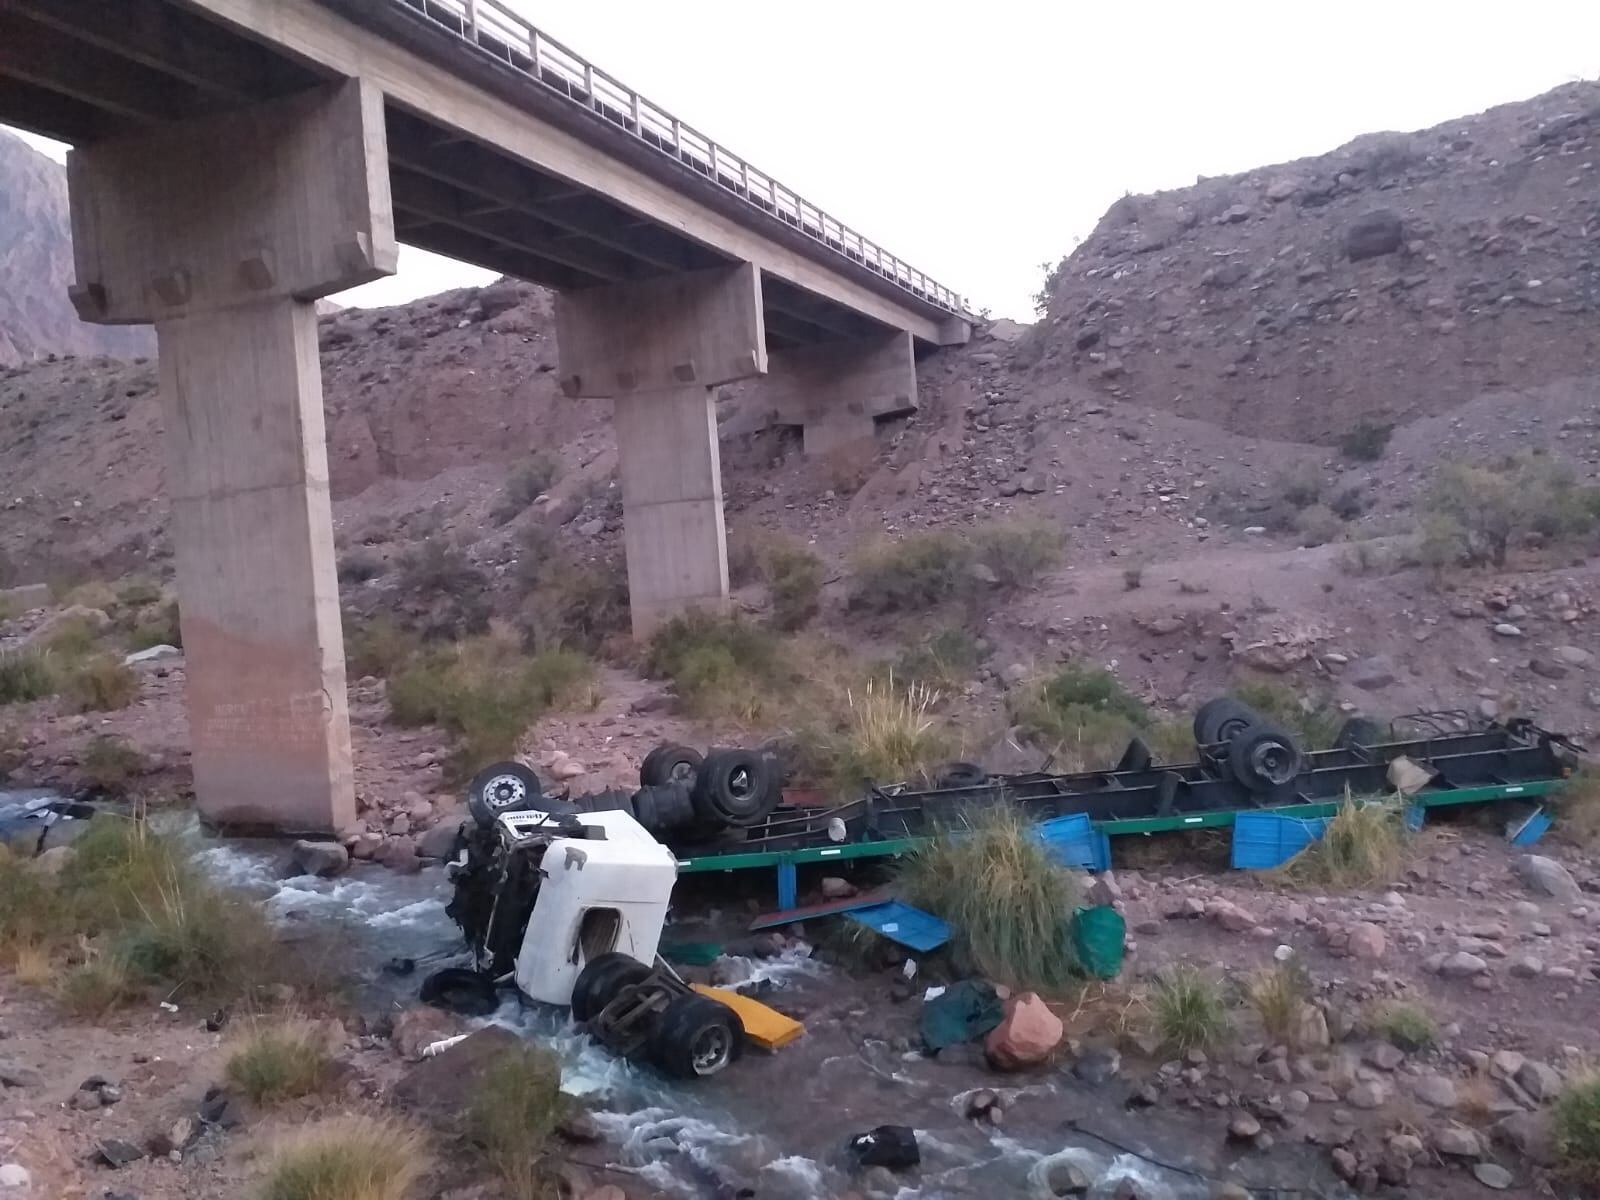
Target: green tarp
<point>1098,935</point>
<point>964,1013</point>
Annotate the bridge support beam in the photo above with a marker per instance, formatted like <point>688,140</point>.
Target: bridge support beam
<point>657,348</point>
<point>223,232</point>
<point>837,391</point>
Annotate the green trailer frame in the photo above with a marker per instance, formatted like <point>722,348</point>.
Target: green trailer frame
<point>787,862</point>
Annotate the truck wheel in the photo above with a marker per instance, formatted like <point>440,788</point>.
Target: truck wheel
<point>664,807</point>
<point>1218,720</point>
<point>601,981</point>
<point>1263,757</point>
<point>960,775</point>
<point>1358,732</point>
<point>735,788</point>
<point>501,788</point>
<point>696,1037</point>
<point>670,764</point>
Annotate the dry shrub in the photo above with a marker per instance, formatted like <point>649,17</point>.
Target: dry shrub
<point>1017,552</point>
<point>1083,715</point>
<point>513,1113</point>
<point>1279,994</point>
<point>1189,1010</point>
<point>1577,1132</point>
<point>282,1061</point>
<point>918,572</point>
<point>944,660</point>
<point>890,735</point>
<point>1007,900</point>
<point>25,675</point>
<point>1579,808</point>
<point>1409,1026</point>
<point>1472,513</point>
<point>721,666</point>
<point>351,1157</point>
<point>99,683</point>
<point>378,646</point>
<point>1363,846</point>
<point>110,763</point>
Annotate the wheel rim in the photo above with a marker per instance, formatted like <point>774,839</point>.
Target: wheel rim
<point>711,1049</point>
<point>741,784</point>
<point>1273,762</point>
<point>504,790</point>
<point>682,772</point>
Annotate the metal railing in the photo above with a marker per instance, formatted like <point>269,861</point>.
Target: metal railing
<point>494,29</point>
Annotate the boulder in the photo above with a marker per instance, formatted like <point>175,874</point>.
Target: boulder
<point>1068,1179</point>
<point>415,1029</point>
<point>1372,674</point>
<point>440,840</point>
<point>1546,877</point>
<point>1493,1176</point>
<point>1541,1082</point>
<point>834,888</point>
<point>1367,1094</point>
<point>1436,1091</point>
<point>1455,1142</point>
<point>399,854</point>
<point>1028,1034</point>
<point>1462,965</point>
<point>1530,1134</point>
<point>325,859</point>
<point>1374,234</point>
<point>1367,941</point>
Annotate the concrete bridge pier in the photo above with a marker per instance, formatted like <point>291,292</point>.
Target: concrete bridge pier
<point>223,231</point>
<point>658,347</point>
<point>837,391</point>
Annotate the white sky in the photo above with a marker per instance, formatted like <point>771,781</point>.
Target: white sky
<point>977,141</point>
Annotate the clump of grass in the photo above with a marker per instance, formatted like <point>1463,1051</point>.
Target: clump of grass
<point>378,646</point>
<point>916,573</point>
<point>351,1157</point>
<point>1366,441</point>
<point>1363,846</point>
<point>273,1063</point>
<point>513,1113</point>
<point>158,627</point>
<point>1007,900</point>
<point>360,566</point>
<point>1579,810</point>
<point>1318,525</point>
<point>720,666</point>
<point>1016,551</point>
<point>1189,1010</point>
<point>1171,741</point>
<point>1082,714</point>
<point>890,735</point>
<point>110,763</point>
<point>1577,1132</point>
<point>95,593</point>
<point>944,661</point>
<point>100,683</point>
<point>25,675</point>
<point>486,692</point>
<point>794,576</point>
<point>1314,721</point>
<point>1279,995</point>
<point>135,591</point>
<point>572,604</point>
<point>1407,1025</point>
<point>525,484</point>
<point>94,988</point>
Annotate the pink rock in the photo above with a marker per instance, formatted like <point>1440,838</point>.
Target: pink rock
<point>1230,916</point>
<point>1367,941</point>
<point>1028,1035</point>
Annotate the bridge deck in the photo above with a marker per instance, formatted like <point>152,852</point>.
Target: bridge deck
<point>507,150</point>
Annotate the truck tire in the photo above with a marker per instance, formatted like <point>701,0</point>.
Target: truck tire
<point>1218,720</point>
<point>696,1037</point>
<point>1358,732</point>
<point>960,775</point>
<point>1263,757</point>
<point>735,788</point>
<point>502,787</point>
<point>601,981</point>
<point>663,808</point>
<point>670,764</point>
<point>460,990</point>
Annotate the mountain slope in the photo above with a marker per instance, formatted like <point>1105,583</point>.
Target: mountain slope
<point>36,318</point>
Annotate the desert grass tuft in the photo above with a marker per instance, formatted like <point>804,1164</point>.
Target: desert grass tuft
<point>1189,1010</point>
<point>1577,1133</point>
<point>352,1157</point>
<point>280,1061</point>
<point>1407,1025</point>
<point>1363,846</point>
<point>512,1115</point>
<point>1279,994</point>
<point>1008,901</point>
<point>891,734</point>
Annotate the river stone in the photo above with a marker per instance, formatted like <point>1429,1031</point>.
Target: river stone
<point>1493,1175</point>
<point>1546,877</point>
<point>1455,1142</point>
<point>1539,1081</point>
<point>1462,965</point>
<point>1067,1179</point>
<point>324,859</point>
<point>1436,1091</point>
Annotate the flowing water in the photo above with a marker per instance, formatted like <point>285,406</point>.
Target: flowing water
<point>773,1127</point>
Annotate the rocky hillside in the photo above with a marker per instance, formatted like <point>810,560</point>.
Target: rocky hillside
<point>36,319</point>
<point>1396,277</point>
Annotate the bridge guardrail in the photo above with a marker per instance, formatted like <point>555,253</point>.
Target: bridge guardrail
<point>496,30</point>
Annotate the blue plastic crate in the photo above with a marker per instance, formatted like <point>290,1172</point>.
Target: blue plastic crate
<point>1262,841</point>
<point>1073,841</point>
<point>1532,829</point>
<point>899,922</point>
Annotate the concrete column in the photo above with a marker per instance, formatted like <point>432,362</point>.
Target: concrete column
<point>837,391</point>
<point>223,232</point>
<point>658,347</point>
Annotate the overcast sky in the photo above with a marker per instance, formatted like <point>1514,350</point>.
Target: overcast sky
<point>977,141</point>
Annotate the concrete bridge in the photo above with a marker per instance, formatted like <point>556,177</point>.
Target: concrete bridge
<point>235,160</point>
